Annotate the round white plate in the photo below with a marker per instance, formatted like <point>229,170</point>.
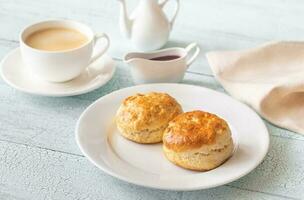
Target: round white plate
<point>15,74</point>
<point>145,165</point>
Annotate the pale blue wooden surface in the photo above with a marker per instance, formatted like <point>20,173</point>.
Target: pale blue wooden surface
<point>38,155</point>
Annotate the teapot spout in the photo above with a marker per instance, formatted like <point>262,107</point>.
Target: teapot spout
<point>125,21</point>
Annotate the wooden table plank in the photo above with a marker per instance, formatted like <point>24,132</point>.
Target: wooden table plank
<point>282,171</point>
<point>33,173</point>
<point>229,193</point>
<point>54,175</point>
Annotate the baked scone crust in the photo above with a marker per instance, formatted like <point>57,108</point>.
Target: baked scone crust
<point>197,140</point>
<point>143,117</point>
<point>191,130</point>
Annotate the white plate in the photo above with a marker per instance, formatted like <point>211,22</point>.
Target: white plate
<point>145,165</point>
<point>15,74</point>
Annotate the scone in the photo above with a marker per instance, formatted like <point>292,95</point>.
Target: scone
<point>197,140</point>
<point>143,118</point>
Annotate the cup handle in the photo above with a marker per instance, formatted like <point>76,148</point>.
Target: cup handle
<point>97,38</point>
<point>163,3</point>
<point>188,49</point>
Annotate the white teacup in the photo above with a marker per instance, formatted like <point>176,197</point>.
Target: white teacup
<point>63,65</point>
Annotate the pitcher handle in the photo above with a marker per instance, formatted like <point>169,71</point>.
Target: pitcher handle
<point>163,3</point>
<point>188,49</point>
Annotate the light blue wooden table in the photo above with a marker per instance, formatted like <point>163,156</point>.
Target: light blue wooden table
<point>39,158</point>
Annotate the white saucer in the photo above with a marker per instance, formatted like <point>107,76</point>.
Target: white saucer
<point>15,74</point>
<point>145,165</point>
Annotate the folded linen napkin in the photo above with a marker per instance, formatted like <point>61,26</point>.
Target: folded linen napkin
<point>269,78</point>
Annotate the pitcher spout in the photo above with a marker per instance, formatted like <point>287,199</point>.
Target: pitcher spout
<point>130,58</point>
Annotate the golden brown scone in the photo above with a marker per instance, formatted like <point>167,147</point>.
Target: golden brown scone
<point>143,118</point>
<point>197,140</point>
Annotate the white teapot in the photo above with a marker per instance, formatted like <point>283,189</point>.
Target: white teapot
<point>148,27</point>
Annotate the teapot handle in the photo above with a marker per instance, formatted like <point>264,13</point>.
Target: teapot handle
<point>163,3</point>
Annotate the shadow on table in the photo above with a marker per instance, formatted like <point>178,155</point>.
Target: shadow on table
<point>176,43</point>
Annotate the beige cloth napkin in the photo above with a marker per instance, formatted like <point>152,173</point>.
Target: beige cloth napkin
<point>269,78</point>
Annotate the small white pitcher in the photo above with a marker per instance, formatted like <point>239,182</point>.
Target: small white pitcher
<point>163,66</point>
